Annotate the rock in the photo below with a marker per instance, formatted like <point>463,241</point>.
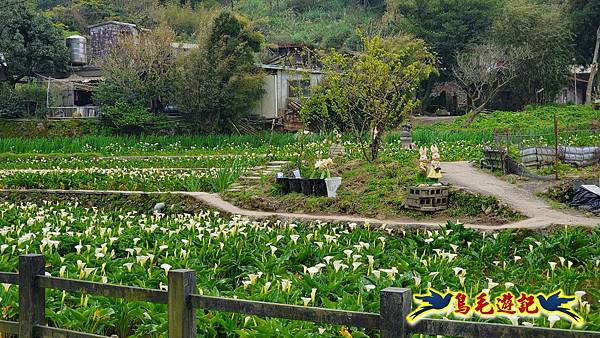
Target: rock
<point>159,208</point>
<point>41,128</point>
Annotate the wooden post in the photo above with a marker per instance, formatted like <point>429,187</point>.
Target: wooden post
<point>395,305</point>
<point>182,316</point>
<point>32,299</point>
<point>555,146</point>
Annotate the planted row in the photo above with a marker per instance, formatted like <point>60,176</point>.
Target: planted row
<point>335,266</point>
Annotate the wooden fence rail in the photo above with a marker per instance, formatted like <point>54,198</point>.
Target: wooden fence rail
<point>182,302</point>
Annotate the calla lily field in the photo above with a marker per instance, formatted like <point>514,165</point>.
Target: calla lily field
<point>138,218</point>
<point>314,264</point>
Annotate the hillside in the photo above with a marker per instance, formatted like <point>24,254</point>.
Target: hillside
<point>319,23</point>
<point>323,23</point>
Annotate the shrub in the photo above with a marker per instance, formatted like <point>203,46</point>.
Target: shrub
<point>126,118</point>
<point>27,100</point>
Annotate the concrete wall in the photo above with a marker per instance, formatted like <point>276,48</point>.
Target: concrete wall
<point>276,86</point>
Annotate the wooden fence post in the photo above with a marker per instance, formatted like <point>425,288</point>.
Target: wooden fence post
<point>395,305</point>
<point>32,299</point>
<point>182,315</point>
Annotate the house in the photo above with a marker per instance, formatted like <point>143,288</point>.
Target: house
<point>448,97</point>
<point>575,91</point>
<point>284,88</point>
<point>69,95</point>
<point>290,71</point>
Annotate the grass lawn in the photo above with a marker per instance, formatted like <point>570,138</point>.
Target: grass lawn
<point>373,190</point>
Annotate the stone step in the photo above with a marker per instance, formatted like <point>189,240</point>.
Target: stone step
<point>250,178</point>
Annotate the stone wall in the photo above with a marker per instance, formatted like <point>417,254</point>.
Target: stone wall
<point>103,36</point>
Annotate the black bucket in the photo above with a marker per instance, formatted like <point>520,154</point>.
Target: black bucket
<point>319,187</point>
<point>295,185</point>
<point>284,182</point>
<point>307,186</point>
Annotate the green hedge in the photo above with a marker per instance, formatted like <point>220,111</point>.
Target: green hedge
<point>47,128</point>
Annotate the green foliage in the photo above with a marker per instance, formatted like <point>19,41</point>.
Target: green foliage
<point>234,259</point>
<point>583,17</point>
<point>22,100</point>
<point>190,24</point>
<point>126,118</point>
<point>77,15</point>
<point>372,92</point>
<point>319,23</point>
<point>533,118</point>
<point>544,30</point>
<point>219,83</point>
<point>224,176</point>
<point>448,26</point>
<point>31,129</point>
<point>139,71</point>
<point>29,42</point>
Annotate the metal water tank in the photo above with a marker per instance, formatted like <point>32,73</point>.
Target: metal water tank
<point>77,45</point>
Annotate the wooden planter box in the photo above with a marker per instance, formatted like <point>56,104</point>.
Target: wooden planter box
<point>428,198</point>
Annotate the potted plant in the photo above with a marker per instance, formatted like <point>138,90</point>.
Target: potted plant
<point>331,183</point>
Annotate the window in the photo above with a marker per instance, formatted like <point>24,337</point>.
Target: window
<point>299,88</point>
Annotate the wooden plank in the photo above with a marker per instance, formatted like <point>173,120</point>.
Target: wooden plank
<point>182,315</point>
<point>9,327</point>
<point>53,332</point>
<point>294,312</point>
<point>395,304</point>
<point>107,290</point>
<point>467,329</point>
<point>32,299</point>
<point>9,278</point>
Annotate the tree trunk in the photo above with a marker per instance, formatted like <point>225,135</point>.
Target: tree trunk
<point>472,115</point>
<point>593,70</point>
<point>375,141</point>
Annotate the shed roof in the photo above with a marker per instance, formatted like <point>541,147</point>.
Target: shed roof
<point>291,69</point>
<point>114,23</point>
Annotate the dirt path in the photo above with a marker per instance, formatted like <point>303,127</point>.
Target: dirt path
<point>215,201</point>
<point>464,175</point>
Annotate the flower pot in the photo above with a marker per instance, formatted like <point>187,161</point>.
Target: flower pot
<point>319,187</point>
<point>333,184</point>
<point>295,185</point>
<point>284,182</point>
<point>306,186</point>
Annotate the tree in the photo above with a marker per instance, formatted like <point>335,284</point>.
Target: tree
<point>593,69</point>
<point>140,71</point>
<point>583,18</point>
<point>187,22</point>
<point>29,42</point>
<point>544,30</point>
<point>373,91</point>
<point>77,15</point>
<point>219,83</point>
<point>483,71</point>
<point>448,26</point>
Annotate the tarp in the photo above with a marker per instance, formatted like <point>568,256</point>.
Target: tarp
<point>587,198</point>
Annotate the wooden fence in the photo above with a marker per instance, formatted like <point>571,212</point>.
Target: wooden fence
<point>182,304</point>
